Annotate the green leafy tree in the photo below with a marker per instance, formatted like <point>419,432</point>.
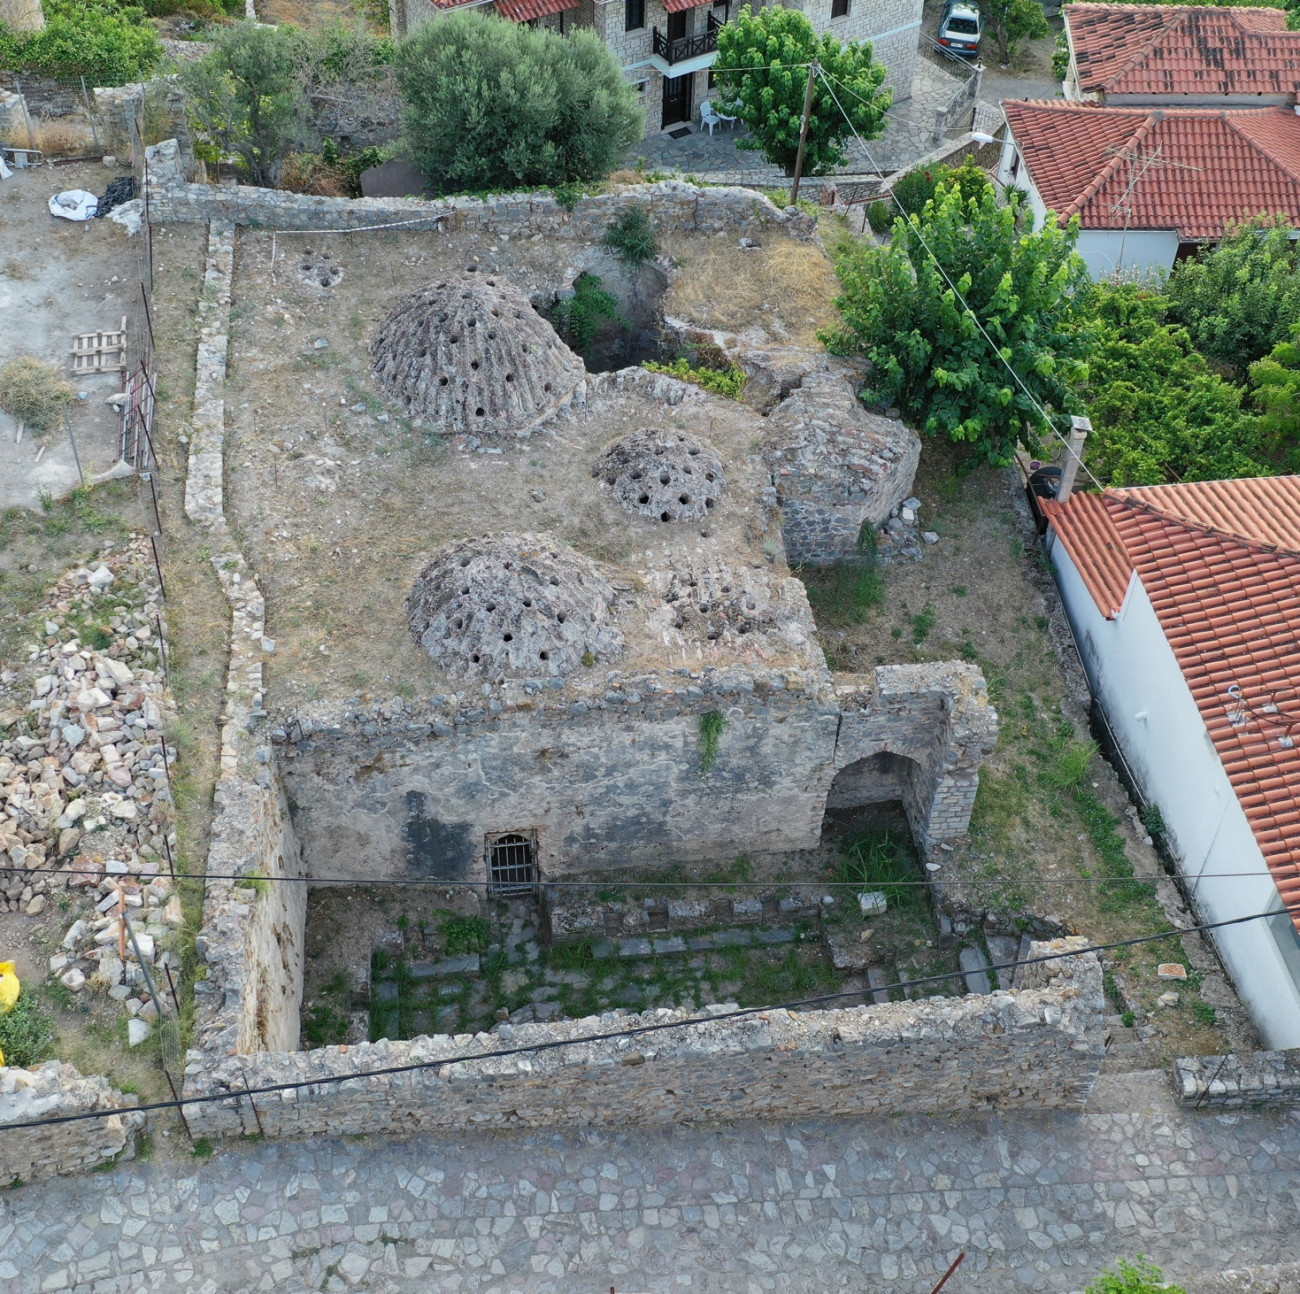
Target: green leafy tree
<point>1141,1277</point>
<point>1276,383</point>
<point>493,104</point>
<point>927,351</point>
<point>1159,411</point>
<point>108,44</point>
<point>1012,21</point>
<point>1243,298</point>
<point>247,99</point>
<point>762,78</point>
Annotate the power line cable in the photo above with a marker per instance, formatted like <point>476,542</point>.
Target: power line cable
<point>612,1035</point>
<point>72,870</point>
<point>915,229</point>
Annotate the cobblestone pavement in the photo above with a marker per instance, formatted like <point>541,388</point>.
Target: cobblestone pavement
<point>1038,1202</point>
<point>909,135</point>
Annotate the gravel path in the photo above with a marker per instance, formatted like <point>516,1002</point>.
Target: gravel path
<point>1038,1202</point>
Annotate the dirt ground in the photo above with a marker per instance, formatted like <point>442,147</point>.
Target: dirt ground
<point>340,501</point>
<point>984,593</point>
<point>59,278</point>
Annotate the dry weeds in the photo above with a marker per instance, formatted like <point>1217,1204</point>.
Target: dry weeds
<point>784,287</point>
<point>63,137</point>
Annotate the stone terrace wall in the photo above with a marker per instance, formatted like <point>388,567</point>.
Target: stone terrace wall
<point>672,204</point>
<point>1038,1048</point>
<point>51,1090</point>
<point>1226,1082</point>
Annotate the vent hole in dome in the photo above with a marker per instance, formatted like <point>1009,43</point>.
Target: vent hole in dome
<point>554,580</point>
<point>478,413</point>
<point>663,516</point>
<point>528,602</point>
<point>693,452</point>
<point>541,655</point>
<point>664,478</point>
<point>683,498</point>
<point>708,476</point>
<point>442,381</point>
<point>474,659</point>
<point>505,638</point>
<point>561,616</point>
<point>510,377</point>
<point>458,623</point>
<point>491,606</point>
<point>474,364</point>
<point>644,499</point>
<point>708,503</point>
<point>464,561</point>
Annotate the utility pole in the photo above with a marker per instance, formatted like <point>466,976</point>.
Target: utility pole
<point>813,68</point>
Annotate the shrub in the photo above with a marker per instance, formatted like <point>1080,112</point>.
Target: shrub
<point>108,44</point>
<point>497,105</point>
<point>578,318</point>
<point>33,392</point>
<point>729,381</point>
<point>1141,1277</point>
<point>712,724</point>
<point>930,355</point>
<point>1159,411</point>
<point>916,188</point>
<point>632,237</point>
<point>879,217</point>
<point>26,1032</point>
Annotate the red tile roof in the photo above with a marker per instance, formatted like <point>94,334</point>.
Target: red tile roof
<point>678,6</point>
<point>1220,562</point>
<point>523,10</point>
<point>1173,50</point>
<point>1196,171</point>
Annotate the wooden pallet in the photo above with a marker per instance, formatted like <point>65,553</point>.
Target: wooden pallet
<point>100,352</point>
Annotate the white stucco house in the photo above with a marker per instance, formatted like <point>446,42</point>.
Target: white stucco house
<point>1185,602</point>
<point>1150,185</point>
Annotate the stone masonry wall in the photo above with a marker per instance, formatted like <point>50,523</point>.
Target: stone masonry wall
<point>672,204</point>
<point>615,780</point>
<point>1038,1047</point>
<point>252,936</point>
<point>49,1091</point>
<point>1258,1078</point>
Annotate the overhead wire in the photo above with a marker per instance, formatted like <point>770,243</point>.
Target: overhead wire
<point>920,237</point>
<point>614,1035</point>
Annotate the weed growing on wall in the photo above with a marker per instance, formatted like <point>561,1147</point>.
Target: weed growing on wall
<point>632,237</point>
<point>711,726</point>
<point>578,318</point>
<point>464,934</point>
<point>729,382</point>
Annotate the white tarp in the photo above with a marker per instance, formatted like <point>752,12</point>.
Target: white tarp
<point>74,204</point>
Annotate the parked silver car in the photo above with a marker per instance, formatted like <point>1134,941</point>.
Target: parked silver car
<point>960,29</point>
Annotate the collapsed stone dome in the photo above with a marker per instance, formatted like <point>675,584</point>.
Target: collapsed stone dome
<point>519,605</point>
<point>665,474</point>
<point>470,354</point>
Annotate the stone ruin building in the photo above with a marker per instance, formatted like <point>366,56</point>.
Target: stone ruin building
<point>560,725</point>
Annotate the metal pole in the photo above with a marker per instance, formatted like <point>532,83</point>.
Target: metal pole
<point>813,68</point>
<point>949,1272</point>
<point>67,422</point>
<point>90,113</point>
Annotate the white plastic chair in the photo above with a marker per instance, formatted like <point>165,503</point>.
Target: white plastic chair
<point>708,117</point>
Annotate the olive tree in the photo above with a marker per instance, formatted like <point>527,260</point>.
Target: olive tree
<point>493,104</point>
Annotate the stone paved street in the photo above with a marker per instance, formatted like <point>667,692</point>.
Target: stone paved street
<point>1038,1203</point>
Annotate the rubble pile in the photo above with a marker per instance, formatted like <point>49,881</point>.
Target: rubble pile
<point>85,801</point>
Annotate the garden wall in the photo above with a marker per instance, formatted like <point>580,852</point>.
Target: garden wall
<point>672,204</point>
<point>1226,1082</point>
<point>49,1091</point>
<point>1038,1047</point>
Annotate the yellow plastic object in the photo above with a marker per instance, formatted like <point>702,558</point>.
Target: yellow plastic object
<point>9,987</point>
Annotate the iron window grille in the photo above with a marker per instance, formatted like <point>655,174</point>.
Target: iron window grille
<point>512,865</point>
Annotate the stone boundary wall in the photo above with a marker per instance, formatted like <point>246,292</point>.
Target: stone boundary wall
<point>1228,1082</point>
<point>673,205</point>
<point>253,933</point>
<point>51,1090</point>
<point>1038,1047</point>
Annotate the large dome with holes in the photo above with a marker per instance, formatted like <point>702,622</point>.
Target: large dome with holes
<point>470,354</point>
<point>517,605</point>
<point>668,475</point>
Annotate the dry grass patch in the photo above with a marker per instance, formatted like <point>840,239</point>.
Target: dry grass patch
<point>66,137</point>
<point>785,287</point>
<point>33,392</point>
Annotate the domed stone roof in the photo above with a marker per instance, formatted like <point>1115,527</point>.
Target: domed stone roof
<point>669,475</point>
<point>519,605</point>
<point>470,354</point>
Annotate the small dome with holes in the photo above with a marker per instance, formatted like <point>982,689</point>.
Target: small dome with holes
<point>667,475</point>
<point>470,354</point>
<point>518,605</point>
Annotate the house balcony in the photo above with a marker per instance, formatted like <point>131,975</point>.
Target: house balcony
<point>688,53</point>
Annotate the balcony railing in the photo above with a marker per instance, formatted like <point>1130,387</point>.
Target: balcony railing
<point>678,51</point>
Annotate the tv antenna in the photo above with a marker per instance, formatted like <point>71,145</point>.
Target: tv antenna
<point>1278,712</point>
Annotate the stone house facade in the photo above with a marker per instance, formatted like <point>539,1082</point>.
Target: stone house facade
<point>667,48</point>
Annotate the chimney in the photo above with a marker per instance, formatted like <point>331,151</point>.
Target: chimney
<point>1079,429</point>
